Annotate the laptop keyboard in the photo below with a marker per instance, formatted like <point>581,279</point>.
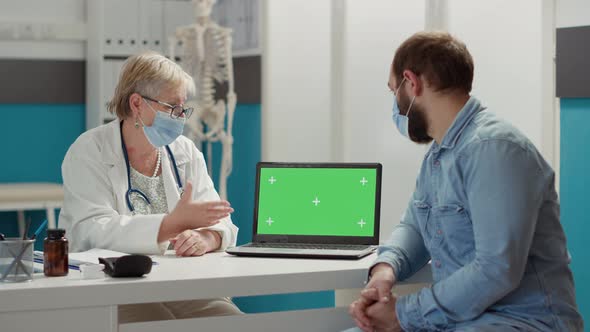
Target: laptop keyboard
<point>308,246</point>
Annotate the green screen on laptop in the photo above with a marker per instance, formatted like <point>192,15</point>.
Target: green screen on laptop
<point>317,201</point>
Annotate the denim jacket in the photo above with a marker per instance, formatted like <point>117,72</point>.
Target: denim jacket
<point>486,214</point>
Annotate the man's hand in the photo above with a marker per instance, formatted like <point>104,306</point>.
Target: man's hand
<point>378,289</point>
<point>382,279</point>
<point>382,312</point>
<point>357,310</point>
<point>196,243</point>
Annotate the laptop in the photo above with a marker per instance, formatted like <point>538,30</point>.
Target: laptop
<point>315,210</point>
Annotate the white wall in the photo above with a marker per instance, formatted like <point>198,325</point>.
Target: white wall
<point>296,123</point>
<point>507,47</point>
<point>571,13</point>
<point>325,96</point>
<point>318,58</point>
<point>373,33</point>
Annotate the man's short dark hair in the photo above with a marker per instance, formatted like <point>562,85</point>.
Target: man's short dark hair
<point>442,59</point>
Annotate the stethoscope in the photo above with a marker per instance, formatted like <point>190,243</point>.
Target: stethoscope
<point>130,190</point>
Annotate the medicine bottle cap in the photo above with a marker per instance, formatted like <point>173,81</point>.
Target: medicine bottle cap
<point>55,234</point>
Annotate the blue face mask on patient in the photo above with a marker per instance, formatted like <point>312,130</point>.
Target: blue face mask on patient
<point>401,121</point>
<point>164,130</point>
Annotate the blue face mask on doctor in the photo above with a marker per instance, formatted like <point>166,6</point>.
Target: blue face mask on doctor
<point>164,129</point>
<point>401,121</point>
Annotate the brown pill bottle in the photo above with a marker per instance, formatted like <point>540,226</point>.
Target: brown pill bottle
<point>55,253</point>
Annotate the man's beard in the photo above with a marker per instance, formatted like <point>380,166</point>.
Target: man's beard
<point>417,126</point>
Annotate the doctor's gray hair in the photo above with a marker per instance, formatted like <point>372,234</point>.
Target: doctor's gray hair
<point>147,74</point>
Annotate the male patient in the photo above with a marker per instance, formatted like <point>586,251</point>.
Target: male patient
<point>484,212</point>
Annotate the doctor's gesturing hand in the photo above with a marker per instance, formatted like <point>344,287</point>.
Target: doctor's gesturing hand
<point>180,225</point>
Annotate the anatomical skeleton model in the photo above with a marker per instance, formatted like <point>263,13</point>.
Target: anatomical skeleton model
<point>207,56</point>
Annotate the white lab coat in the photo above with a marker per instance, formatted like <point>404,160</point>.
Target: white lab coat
<point>95,213</point>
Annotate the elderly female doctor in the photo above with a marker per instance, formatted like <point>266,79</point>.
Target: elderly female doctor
<point>137,185</point>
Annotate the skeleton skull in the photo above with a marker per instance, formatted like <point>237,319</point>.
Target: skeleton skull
<point>203,8</point>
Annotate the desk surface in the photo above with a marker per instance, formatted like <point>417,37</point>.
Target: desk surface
<point>181,278</point>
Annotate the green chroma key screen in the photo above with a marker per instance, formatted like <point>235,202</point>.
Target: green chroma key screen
<point>317,201</point>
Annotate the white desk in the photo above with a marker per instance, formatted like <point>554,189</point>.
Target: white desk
<point>71,304</point>
<point>31,196</point>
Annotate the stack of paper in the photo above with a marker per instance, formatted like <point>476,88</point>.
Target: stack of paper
<point>76,259</point>
<point>91,256</point>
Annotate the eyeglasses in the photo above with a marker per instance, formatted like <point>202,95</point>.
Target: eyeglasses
<point>176,111</point>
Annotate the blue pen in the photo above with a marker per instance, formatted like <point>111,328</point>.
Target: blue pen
<point>39,229</point>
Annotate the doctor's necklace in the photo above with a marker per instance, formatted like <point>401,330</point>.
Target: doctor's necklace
<point>157,164</point>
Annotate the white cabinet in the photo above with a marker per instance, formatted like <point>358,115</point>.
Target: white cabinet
<point>121,26</point>
<point>176,14</point>
<point>118,29</point>
<point>151,26</point>
<point>243,17</point>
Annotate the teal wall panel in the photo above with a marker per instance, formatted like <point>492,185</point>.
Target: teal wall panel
<point>283,302</point>
<point>574,185</point>
<point>36,138</point>
<point>246,153</point>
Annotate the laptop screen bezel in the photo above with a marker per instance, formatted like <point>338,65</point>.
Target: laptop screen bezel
<point>288,238</point>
